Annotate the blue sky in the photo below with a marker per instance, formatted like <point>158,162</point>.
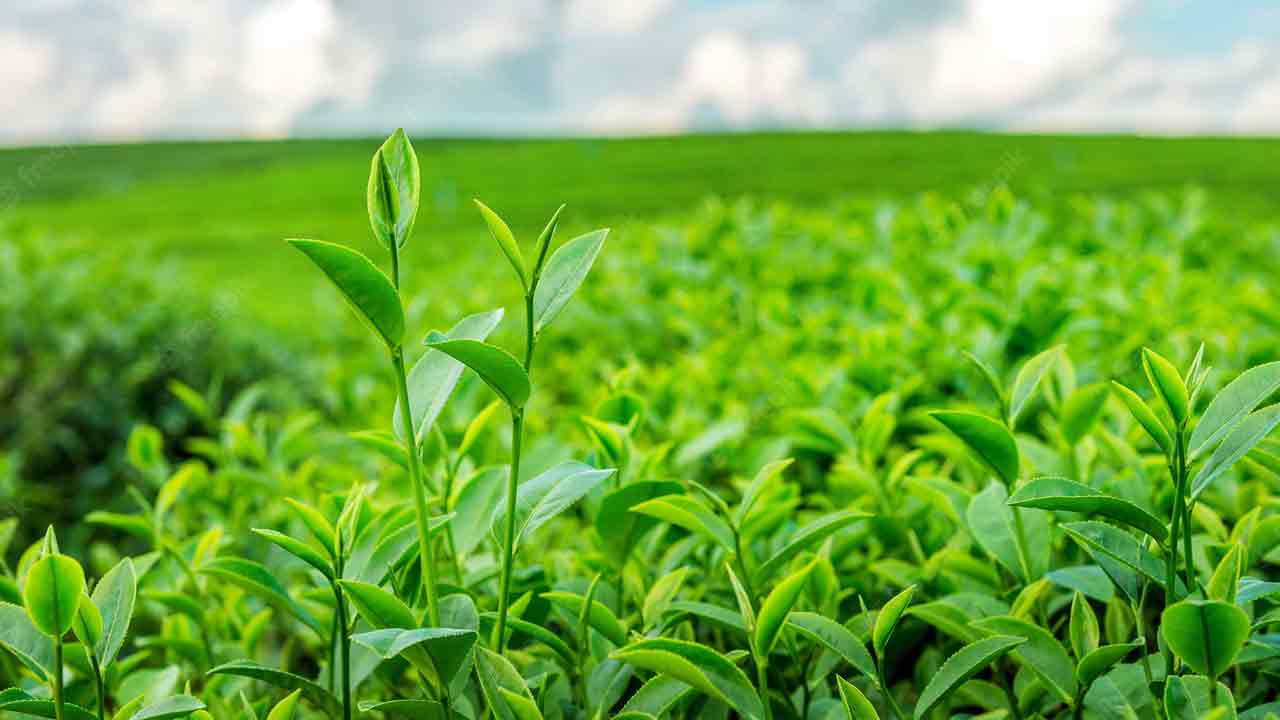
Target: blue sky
<point>98,70</point>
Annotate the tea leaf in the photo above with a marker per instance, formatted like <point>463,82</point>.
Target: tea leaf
<point>565,270</point>
<point>115,595</point>
<point>855,703</point>
<point>501,234</point>
<point>1205,634</point>
<point>298,549</point>
<point>258,580</point>
<point>497,673</point>
<point>1060,494</point>
<point>434,376</point>
<point>1167,384</point>
<point>285,708</point>
<point>1232,404</point>
<point>447,648</point>
<point>1145,416</point>
<point>775,608</point>
<point>1101,659</point>
<point>995,527</point>
<point>1243,438</point>
<point>1042,654</point>
<point>601,618</point>
<point>838,639</point>
<point>805,538</point>
<point>698,666</point>
<point>173,707</point>
<point>967,662</point>
<point>989,440</point>
<point>689,514</point>
<point>1081,411</point>
<point>499,370</point>
<point>283,680</point>
<point>1188,698</point>
<point>1084,631</point>
<point>369,293</point>
<point>887,620</point>
<point>1028,379</point>
<point>393,191</point>
<point>52,593</point>
<point>618,526</point>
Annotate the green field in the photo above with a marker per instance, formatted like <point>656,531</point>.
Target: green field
<point>212,206</point>
<point>833,426</point>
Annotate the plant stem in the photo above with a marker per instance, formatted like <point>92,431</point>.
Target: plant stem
<point>509,533</point>
<point>762,681</point>
<point>98,686</point>
<point>344,631</point>
<point>1010,696</point>
<point>1140,617</point>
<point>1186,544</point>
<point>419,492</point>
<point>888,693</point>
<point>57,678</point>
<point>529,338</point>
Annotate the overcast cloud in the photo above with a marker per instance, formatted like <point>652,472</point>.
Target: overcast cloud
<point>79,69</point>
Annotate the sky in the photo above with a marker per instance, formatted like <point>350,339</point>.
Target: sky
<point>99,70</point>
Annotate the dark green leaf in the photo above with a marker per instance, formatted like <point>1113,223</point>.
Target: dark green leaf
<point>1060,494</point>
<point>990,441</point>
<point>499,370</point>
<point>967,662</point>
<point>365,288</point>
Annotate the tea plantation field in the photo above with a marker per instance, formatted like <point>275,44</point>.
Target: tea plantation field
<point>878,425</point>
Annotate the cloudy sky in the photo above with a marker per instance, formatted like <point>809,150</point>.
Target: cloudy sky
<point>99,69</point>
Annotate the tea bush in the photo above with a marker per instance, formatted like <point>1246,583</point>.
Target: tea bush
<point>922,459</point>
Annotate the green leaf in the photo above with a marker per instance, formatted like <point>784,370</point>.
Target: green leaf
<point>170,707</point>
<point>1188,698</point>
<point>258,580</point>
<point>1145,416</point>
<point>536,632</point>
<point>1226,577</point>
<point>495,366</point>
<point>1081,411</point>
<point>1060,494</point>
<point>543,243</point>
<point>316,523</point>
<point>993,381</point>
<point>836,638</point>
<point>656,696</point>
<point>988,439</point>
<point>18,701</point>
<point>600,618</point>
<point>763,478</point>
<point>994,526</point>
<point>448,648</point>
<point>1104,541</point>
<point>506,241</point>
<point>393,192</point>
<point>805,538</point>
<point>298,549</point>
<point>115,595</point>
<point>1083,629</point>
<point>856,705</point>
<point>887,620</point>
<point>473,506</point>
<point>521,705</point>
<point>689,513</point>
<point>434,376</point>
<point>1028,379</point>
<point>1243,438</point>
<point>379,608</point>
<point>713,613</point>
<point>544,497</point>
<point>1205,634</point>
<point>365,288</point>
<point>20,637</point>
<point>565,270</point>
<point>1101,659</point>
<point>497,673</point>
<point>1042,654</point>
<point>411,709</point>
<point>88,623</point>
<point>52,593</point>
<point>967,662</point>
<point>1167,384</point>
<point>283,680</point>
<point>285,708</point>
<point>660,595</point>
<point>620,528</point>
<point>1232,404</point>
<point>698,666</point>
<point>775,608</point>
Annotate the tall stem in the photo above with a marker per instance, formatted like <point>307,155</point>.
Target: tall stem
<point>344,630</point>
<point>57,678</point>
<point>419,492</point>
<point>98,687</point>
<point>1186,544</point>
<point>762,681</point>
<point>509,532</point>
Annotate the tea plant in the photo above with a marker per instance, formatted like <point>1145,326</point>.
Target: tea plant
<point>914,533</point>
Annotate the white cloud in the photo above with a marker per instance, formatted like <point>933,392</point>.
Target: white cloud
<point>613,16</point>
<point>271,67</point>
<point>743,83</point>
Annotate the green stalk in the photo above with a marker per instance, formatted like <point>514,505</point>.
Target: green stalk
<point>57,678</point>
<point>1186,543</point>
<point>509,532</point>
<point>513,480</point>
<point>419,492</point>
<point>98,686</point>
<point>762,681</point>
<point>344,637</point>
<point>888,693</point>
